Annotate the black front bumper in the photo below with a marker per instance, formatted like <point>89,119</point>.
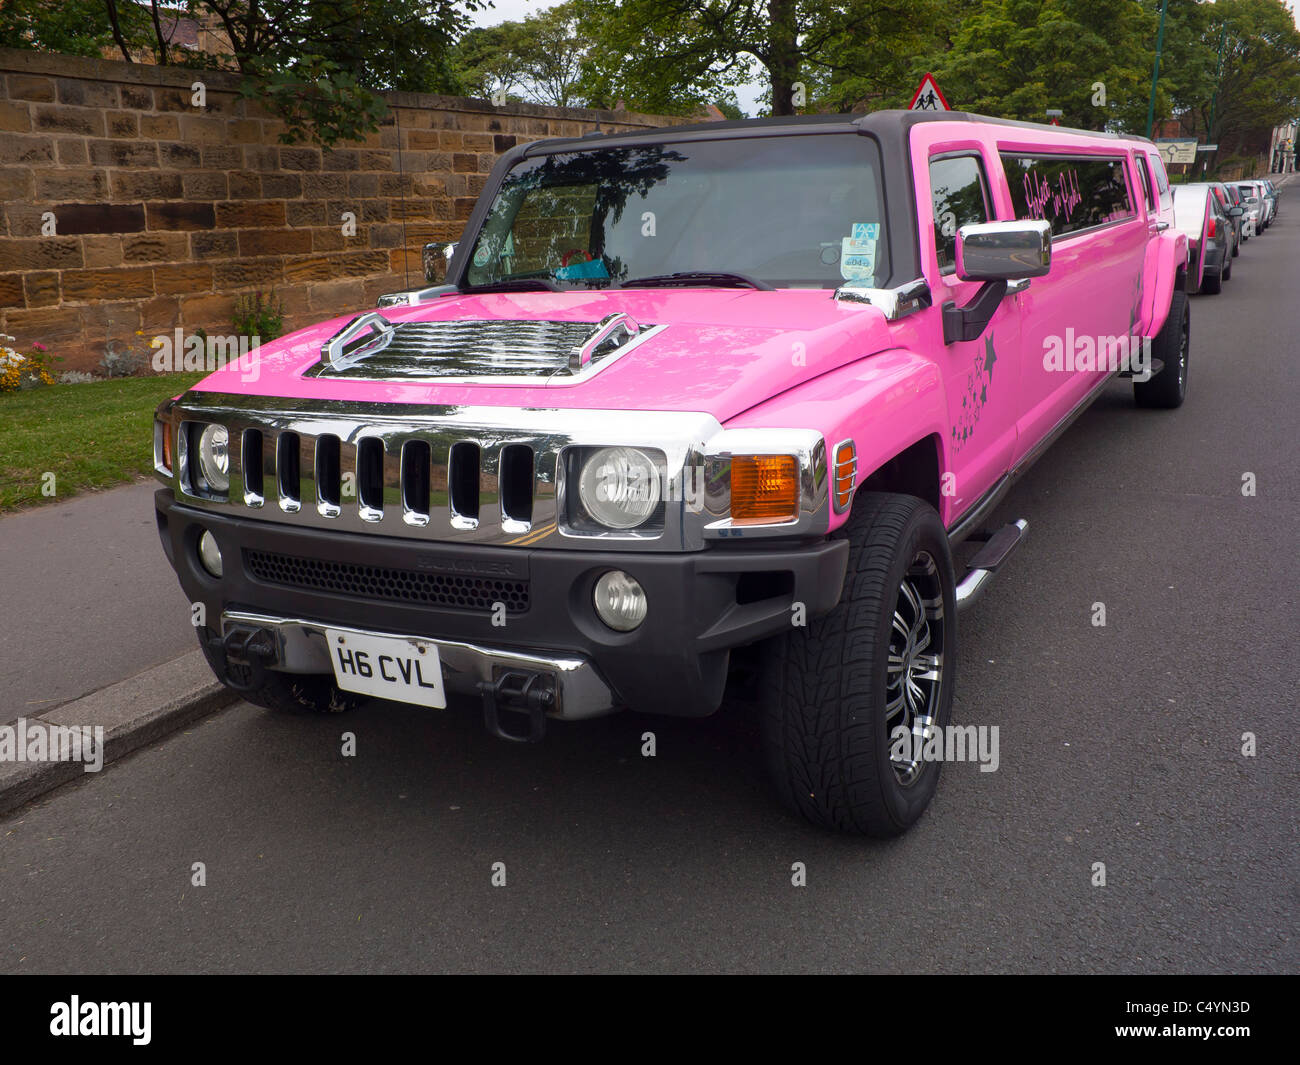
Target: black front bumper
<point>701,605</point>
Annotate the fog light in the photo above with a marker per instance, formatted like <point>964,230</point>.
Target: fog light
<point>210,554</point>
<point>620,601</point>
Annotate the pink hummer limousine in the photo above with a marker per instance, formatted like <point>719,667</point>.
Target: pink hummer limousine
<point>694,405</point>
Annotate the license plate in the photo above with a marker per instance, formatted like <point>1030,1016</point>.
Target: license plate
<point>403,669</point>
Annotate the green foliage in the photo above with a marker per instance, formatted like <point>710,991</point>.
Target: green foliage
<point>258,315</point>
<point>540,59</point>
<point>1017,58</point>
<point>317,99</point>
<point>1259,86</point>
<point>72,27</point>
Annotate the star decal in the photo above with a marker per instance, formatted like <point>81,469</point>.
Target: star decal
<point>990,356</point>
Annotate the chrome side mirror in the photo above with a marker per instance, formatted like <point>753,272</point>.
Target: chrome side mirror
<point>1004,251</point>
<point>437,261</point>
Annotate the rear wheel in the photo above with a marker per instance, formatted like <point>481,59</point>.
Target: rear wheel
<point>1212,283</point>
<point>835,693</point>
<point>1168,388</point>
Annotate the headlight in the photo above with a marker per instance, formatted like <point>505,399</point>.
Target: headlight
<point>619,487</point>
<point>214,458</point>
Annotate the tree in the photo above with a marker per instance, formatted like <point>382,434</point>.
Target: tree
<point>540,59</point>
<point>73,27</point>
<point>1017,58</point>
<point>668,53</point>
<point>1259,84</point>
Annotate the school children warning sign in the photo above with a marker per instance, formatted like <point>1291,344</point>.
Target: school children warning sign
<point>928,97</point>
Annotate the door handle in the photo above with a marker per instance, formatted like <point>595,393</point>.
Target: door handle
<point>1017,286</point>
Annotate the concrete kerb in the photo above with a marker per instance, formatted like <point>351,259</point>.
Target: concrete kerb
<point>133,713</point>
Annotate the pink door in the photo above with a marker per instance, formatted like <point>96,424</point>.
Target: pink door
<point>953,188</point>
<point>1078,319</point>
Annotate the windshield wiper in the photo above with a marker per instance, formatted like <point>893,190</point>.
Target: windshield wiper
<point>515,284</point>
<point>683,278</point>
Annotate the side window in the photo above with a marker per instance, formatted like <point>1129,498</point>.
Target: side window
<point>960,198</point>
<point>1162,180</point>
<point>1071,192</point>
<point>1144,178</point>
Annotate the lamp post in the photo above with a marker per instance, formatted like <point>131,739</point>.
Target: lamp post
<point>1155,74</point>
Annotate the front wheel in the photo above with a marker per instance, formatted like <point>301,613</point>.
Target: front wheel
<point>836,694</point>
<point>1168,388</point>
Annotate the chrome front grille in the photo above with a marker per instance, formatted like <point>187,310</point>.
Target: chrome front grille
<point>373,475</point>
<point>443,474</point>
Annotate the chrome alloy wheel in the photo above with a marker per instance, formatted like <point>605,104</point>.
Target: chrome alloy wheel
<point>914,674</point>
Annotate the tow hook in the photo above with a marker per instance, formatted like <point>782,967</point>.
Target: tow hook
<point>244,654</point>
<point>517,692</point>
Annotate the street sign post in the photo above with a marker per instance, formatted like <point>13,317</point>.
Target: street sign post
<point>928,97</point>
<point>1177,150</point>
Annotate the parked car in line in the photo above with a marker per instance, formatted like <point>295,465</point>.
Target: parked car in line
<point>1245,224</point>
<point>1270,193</point>
<point>1232,213</point>
<point>1252,205</point>
<point>1198,215</point>
<point>695,406</point>
<point>1255,197</point>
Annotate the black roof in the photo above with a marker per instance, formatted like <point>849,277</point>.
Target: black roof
<point>874,122</point>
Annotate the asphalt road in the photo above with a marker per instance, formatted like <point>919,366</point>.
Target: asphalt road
<point>1119,745</point>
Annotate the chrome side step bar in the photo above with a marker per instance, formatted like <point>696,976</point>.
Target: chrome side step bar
<point>997,548</point>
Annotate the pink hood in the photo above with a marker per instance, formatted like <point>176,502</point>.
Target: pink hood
<point>722,351</point>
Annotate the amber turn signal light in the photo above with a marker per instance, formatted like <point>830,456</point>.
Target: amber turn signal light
<point>846,474</point>
<point>764,489</point>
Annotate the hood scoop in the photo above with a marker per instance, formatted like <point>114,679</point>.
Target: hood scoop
<point>478,351</point>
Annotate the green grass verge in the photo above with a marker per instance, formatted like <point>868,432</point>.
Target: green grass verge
<point>89,436</point>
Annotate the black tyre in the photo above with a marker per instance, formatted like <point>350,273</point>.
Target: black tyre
<point>289,693</point>
<point>1168,388</point>
<point>1212,283</point>
<point>833,693</point>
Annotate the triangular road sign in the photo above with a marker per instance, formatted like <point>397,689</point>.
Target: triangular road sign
<point>928,97</point>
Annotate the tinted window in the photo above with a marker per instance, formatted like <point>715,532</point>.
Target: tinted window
<point>793,211</point>
<point>958,187</point>
<point>1162,179</point>
<point>1072,193</point>
<point>1145,178</point>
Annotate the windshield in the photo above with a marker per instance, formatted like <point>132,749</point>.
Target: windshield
<point>786,211</point>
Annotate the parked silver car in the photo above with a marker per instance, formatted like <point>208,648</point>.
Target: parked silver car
<point>1198,214</point>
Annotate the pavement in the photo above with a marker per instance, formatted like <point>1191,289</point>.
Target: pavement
<point>88,599</point>
<point>1120,745</point>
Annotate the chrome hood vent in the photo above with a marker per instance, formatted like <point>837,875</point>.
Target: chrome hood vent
<point>487,351</point>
